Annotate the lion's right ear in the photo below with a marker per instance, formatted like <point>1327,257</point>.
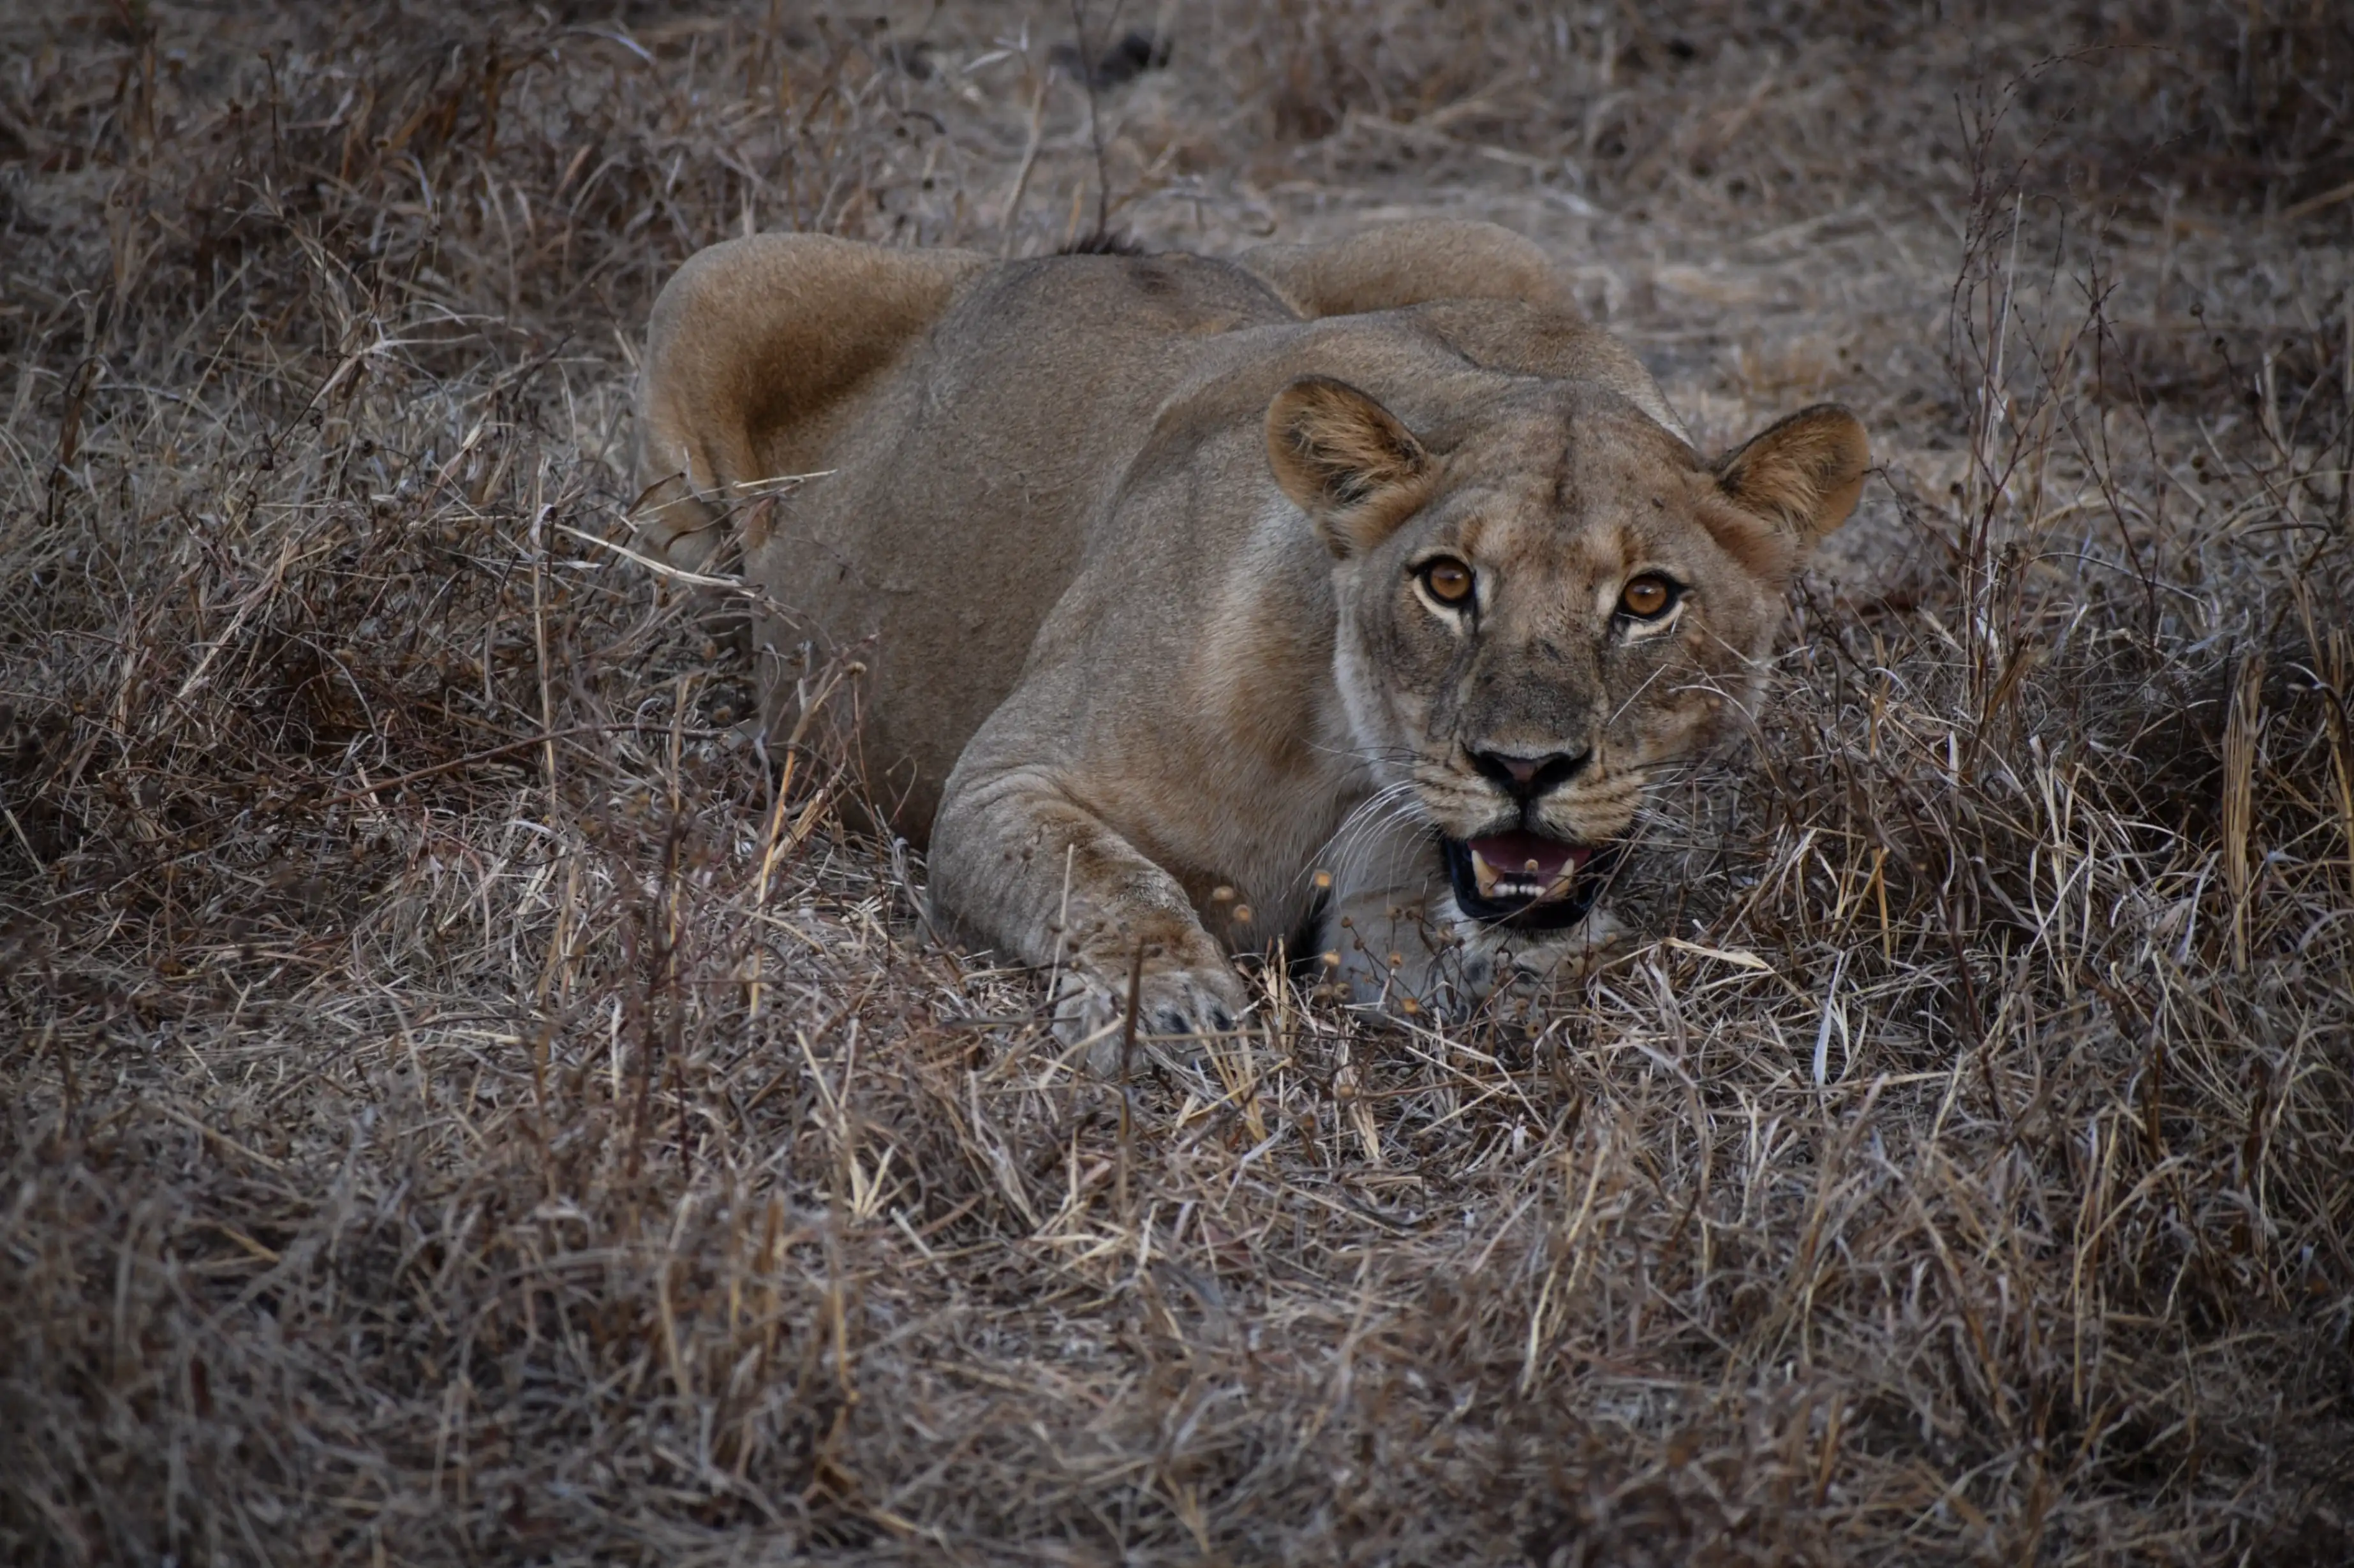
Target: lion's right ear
<point>1346,460</point>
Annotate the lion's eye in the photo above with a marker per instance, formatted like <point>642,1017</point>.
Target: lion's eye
<point>1449,582</point>
<point>1647,597</point>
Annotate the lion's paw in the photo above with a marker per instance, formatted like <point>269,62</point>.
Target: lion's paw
<point>1444,981</point>
<point>1538,972</point>
<point>1174,1008</point>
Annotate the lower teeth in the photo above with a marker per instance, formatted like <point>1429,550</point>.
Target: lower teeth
<point>1494,883</point>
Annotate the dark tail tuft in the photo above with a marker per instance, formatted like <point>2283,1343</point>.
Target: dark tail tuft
<point>1104,242</point>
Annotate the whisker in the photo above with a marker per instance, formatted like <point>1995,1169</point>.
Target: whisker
<point>1403,755</point>
<point>1368,813</point>
<point>1636,692</point>
<point>1374,823</point>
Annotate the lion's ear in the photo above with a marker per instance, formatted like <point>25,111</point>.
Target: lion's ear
<point>1804,474</point>
<point>1346,460</point>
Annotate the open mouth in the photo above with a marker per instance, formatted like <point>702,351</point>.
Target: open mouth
<point>1525,880</point>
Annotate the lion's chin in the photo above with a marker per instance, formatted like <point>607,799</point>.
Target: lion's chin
<point>1525,880</point>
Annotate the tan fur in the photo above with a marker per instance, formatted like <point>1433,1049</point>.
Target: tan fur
<point>1401,264</point>
<point>1129,545</point>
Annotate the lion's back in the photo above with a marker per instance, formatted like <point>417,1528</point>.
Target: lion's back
<point>955,510</point>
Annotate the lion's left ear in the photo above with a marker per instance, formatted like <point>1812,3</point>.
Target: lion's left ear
<point>1804,474</point>
<point>1349,463</point>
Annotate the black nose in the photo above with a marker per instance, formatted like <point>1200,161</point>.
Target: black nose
<point>1527,777</point>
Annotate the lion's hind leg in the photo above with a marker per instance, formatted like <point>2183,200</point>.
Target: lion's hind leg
<point>1413,263</point>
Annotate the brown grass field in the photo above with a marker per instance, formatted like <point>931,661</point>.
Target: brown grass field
<point>458,1104</point>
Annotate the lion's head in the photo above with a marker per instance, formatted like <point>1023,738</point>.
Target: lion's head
<point>1539,618</point>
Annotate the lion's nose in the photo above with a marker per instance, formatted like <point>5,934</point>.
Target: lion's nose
<point>1525,778</point>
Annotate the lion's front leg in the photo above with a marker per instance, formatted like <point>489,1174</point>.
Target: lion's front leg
<point>1394,933</point>
<point>1019,866</point>
<point>1400,949</point>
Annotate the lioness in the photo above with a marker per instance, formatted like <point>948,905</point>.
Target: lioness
<point>1348,594</point>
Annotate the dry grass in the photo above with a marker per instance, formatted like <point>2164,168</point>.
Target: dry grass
<point>462,1102</point>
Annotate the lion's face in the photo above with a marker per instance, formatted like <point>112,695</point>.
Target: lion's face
<point>1537,623</point>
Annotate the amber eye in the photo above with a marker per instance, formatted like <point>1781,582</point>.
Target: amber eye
<point>1449,582</point>
<point>1647,597</point>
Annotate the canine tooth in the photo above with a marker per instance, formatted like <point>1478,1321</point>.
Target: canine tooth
<point>1483,876</point>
